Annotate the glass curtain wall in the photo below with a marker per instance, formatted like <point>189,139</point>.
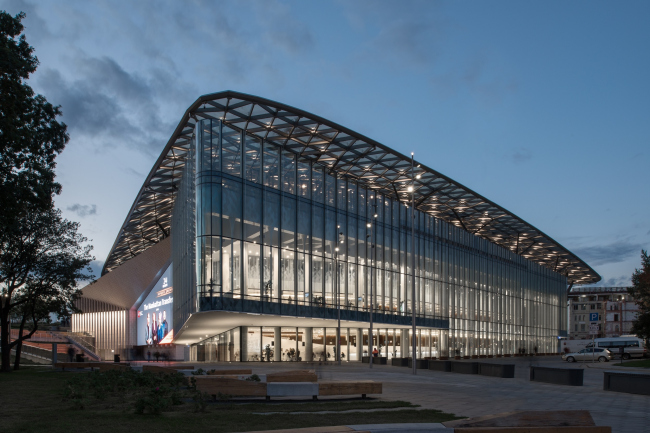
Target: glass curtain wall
<point>267,225</point>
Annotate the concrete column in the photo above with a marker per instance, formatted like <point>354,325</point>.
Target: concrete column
<point>308,350</point>
<point>277,339</point>
<point>394,343</point>
<point>54,353</point>
<point>404,342</point>
<point>186,353</point>
<point>347,339</point>
<point>244,343</point>
<point>359,344</point>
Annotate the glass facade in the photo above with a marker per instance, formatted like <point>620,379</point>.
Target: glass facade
<point>265,226</point>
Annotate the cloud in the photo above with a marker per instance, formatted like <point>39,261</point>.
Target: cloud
<point>130,171</point>
<point>622,281</point>
<point>106,105</point>
<point>521,154</point>
<point>401,37</point>
<point>83,210</point>
<point>616,252</point>
<point>34,25</point>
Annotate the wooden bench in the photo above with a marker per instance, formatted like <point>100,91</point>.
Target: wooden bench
<point>244,388</point>
<point>293,376</point>
<point>228,386</point>
<point>159,369</point>
<point>64,365</point>
<point>362,387</point>
<point>105,366</point>
<point>229,372</point>
<point>102,366</point>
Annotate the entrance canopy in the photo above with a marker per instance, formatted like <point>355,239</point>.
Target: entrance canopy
<point>208,323</point>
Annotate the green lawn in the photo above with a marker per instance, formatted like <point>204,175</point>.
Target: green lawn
<point>35,400</point>
<point>645,363</point>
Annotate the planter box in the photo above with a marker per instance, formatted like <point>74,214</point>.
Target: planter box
<point>627,382</point>
<point>399,362</point>
<point>557,376</point>
<point>377,360</point>
<point>440,365</point>
<point>419,363</point>
<point>464,367</point>
<point>496,370</point>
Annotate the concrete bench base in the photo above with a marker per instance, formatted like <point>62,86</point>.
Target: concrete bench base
<point>630,383</point>
<point>557,376</point>
<point>291,389</point>
<point>496,370</point>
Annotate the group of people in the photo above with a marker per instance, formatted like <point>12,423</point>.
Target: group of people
<point>157,329</point>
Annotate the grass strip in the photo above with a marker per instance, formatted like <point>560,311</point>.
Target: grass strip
<point>312,407</point>
<point>643,363</point>
<point>222,421</point>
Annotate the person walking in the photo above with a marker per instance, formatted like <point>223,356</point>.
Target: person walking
<point>70,353</point>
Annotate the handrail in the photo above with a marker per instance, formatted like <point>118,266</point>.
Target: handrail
<point>81,342</point>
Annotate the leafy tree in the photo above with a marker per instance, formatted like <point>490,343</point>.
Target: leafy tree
<point>39,269</point>
<point>640,291</point>
<point>30,135</point>
<point>41,254</point>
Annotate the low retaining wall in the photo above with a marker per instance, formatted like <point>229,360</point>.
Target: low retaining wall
<point>506,371</point>
<point>557,376</point>
<point>378,360</point>
<point>464,367</point>
<point>399,362</point>
<point>630,383</point>
<point>440,365</point>
<point>422,364</point>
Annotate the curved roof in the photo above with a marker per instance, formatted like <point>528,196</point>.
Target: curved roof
<point>354,157</point>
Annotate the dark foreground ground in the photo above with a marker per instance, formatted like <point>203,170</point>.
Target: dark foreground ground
<point>37,399</point>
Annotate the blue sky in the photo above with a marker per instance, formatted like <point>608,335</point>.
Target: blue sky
<point>543,107</point>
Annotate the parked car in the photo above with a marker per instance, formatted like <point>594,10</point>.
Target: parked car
<point>633,347</point>
<point>589,354</point>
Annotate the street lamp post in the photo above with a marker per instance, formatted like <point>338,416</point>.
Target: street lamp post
<point>338,299</point>
<point>413,337</point>
<point>370,348</point>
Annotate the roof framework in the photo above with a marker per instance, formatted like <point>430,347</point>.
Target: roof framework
<point>353,157</point>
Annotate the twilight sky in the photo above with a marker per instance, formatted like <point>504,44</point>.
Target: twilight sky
<point>543,107</point>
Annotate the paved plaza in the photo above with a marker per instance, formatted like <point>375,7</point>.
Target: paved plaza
<point>474,395</point>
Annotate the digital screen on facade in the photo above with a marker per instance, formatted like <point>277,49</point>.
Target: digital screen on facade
<point>154,321</point>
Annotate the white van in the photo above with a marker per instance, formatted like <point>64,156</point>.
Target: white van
<point>632,346</point>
